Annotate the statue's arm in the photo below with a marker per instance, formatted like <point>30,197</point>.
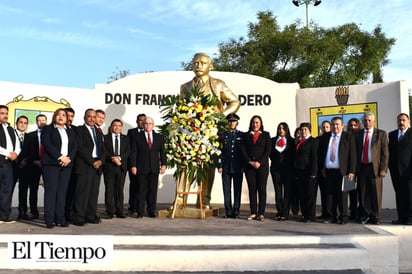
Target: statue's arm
<point>229,100</point>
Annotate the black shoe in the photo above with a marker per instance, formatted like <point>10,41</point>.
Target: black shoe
<point>109,215</point>
<point>152,215</point>
<point>121,216</point>
<point>49,226</point>
<point>24,216</point>
<point>78,223</point>
<point>398,222</point>
<point>35,215</point>
<point>306,220</point>
<point>94,221</point>
<point>374,221</point>
<point>364,220</point>
<point>66,224</point>
<point>343,222</point>
<point>139,216</point>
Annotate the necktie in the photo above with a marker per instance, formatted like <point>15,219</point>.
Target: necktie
<point>365,159</point>
<point>149,140</point>
<point>21,137</point>
<point>99,129</point>
<point>281,142</point>
<point>333,149</point>
<point>95,141</point>
<point>41,151</point>
<point>116,145</point>
<point>300,142</point>
<point>400,136</point>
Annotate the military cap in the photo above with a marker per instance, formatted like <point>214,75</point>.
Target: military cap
<point>232,117</point>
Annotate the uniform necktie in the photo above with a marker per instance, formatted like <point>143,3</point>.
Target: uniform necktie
<point>149,140</point>
<point>333,149</point>
<point>116,146</point>
<point>281,143</point>
<point>256,136</point>
<point>365,159</point>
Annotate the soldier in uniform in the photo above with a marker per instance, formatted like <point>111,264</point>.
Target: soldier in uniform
<point>231,167</point>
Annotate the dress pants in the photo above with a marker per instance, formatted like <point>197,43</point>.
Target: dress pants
<point>114,194</point>
<point>148,184</point>
<point>86,195</point>
<point>256,182</point>
<point>403,194</point>
<point>281,183</point>
<point>133,193</point>
<point>232,210</point>
<point>29,183</point>
<point>307,187</point>
<point>6,190</point>
<point>336,198</point>
<point>56,181</point>
<point>370,202</point>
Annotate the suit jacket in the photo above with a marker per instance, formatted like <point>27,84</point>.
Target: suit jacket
<point>84,159</point>
<point>400,153</point>
<point>379,150</point>
<point>220,90</point>
<point>52,142</point>
<point>347,152</point>
<point>306,158</point>
<point>282,161</point>
<point>148,161</point>
<point>124,151</point>
<point>30,150</point>
<point>13,137</point>
<point>256,152</point>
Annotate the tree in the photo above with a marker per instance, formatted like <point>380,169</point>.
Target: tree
<point>313,57</point>
<point>118,74</point>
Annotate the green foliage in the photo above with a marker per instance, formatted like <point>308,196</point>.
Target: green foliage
<point>313,57</point>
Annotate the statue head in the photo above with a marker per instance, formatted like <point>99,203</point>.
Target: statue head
<point>201,64</point>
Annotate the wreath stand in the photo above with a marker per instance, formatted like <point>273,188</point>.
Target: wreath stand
<point>181,187</point>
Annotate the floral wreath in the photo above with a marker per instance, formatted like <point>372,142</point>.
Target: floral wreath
<point>191,131</point>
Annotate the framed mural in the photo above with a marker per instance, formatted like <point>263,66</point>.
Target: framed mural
<point>326,113</point>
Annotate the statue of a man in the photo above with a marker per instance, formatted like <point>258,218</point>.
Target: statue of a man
<point>228,103</point>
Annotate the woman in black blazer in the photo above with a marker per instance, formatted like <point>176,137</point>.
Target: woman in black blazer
<point>255,150</point>
<point>59,145</point>
<point>306,168</point>
<point>282,156</point>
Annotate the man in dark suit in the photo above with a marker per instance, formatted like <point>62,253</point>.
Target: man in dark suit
<point>30,170</point>
<point>337,158</point>
<point>71,188</point>
<point>400,165</point>
<point>306,168</point>
<point>115,167</point>
<point>231,167</point>
<point>9,151</point>
<point>21,125</point>
<point>372,164</point>
<point>147,161</point>
<point>88,169</point>
<point>133,185</point>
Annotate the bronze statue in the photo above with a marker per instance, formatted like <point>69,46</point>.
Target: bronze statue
<point>228,103</point>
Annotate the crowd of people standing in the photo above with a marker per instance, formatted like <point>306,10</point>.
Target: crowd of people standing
<point>72,159</point>
<point>302,165</point>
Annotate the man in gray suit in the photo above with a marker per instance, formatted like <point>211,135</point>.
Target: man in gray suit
<point>372,165</point>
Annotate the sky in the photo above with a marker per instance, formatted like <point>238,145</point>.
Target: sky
<point>79,43</point>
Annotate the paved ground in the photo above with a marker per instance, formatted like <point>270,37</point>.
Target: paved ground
<point>215,225</point>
